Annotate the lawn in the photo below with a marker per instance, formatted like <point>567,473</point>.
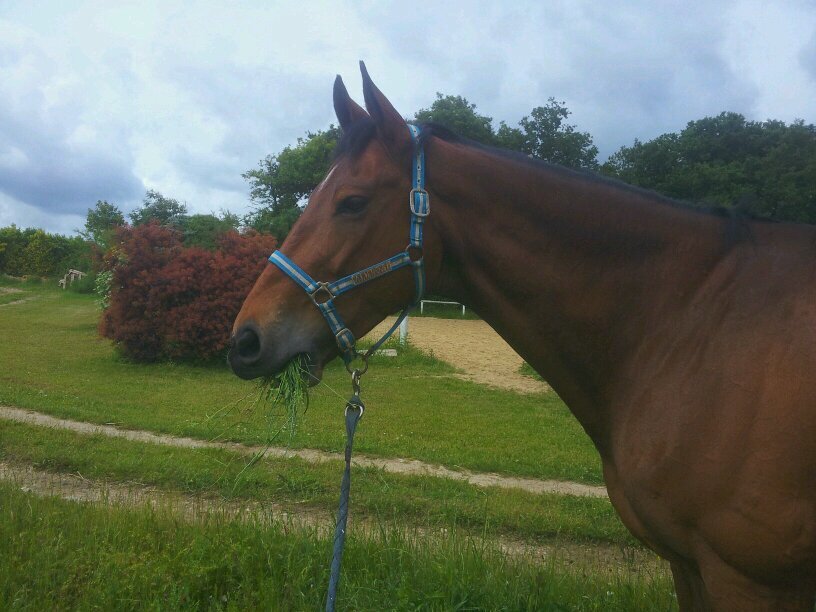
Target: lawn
<point>103,556</point>
<point>54,362</point>
<point>71,556</point>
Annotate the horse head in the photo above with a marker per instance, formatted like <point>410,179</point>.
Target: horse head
<point>357,216</point>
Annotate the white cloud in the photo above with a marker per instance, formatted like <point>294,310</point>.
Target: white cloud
<point>103,100</point>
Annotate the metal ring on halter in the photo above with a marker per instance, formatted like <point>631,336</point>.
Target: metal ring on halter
<point>351,370</point>
<point>415,247</point>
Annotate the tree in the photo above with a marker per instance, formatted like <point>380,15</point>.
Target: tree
<point>281,182</point>
<point>459,116</point>
<point>205,230</point>
<point>545,135</point>
<point>100,222</point>
<point>155,206</point>
<point>766,168</point>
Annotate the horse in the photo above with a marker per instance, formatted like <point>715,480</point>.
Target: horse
<point>680,338</point>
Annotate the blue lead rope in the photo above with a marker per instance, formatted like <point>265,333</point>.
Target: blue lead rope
<point>323,294</point>
<point>354,410</point>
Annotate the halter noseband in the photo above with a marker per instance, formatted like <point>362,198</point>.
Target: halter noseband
<point>322,294</point>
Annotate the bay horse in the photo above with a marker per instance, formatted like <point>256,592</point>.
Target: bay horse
<point>683,340</point>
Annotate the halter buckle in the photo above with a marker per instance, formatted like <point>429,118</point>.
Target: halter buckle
<point>321,287</point>
<point>419,202</point>
<point>344,339</point>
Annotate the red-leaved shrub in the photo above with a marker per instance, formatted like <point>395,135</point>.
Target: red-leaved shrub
<point>168,301</point>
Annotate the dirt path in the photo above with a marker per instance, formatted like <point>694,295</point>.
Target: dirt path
<point>13,290</point>
<point>471,346</point>
<point>74,487</point>
<point>394,466</point>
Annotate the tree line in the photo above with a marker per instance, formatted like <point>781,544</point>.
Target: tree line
<point>34,252</point>
<point>172,282</point>
<point>766,169</point>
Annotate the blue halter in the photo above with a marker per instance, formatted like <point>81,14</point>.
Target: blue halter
<point>323,293</point>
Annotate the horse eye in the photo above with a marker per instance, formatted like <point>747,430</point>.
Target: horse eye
<point>352,204</point>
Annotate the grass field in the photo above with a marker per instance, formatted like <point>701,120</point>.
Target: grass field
<point>57,364</point>
<point>71,555</point>
<point>68,556</point>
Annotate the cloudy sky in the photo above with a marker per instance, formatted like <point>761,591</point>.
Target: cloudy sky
<point>103,100</point>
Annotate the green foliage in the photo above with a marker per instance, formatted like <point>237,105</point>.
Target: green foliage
<point>543,134</point>
<point>546,136</point>
<point>33,252</point>
<point>460,116</point>
<point>155,206</point>
<point>102,288</point>
<point>86,284</point>
<point>101,222</point>
<point>282,181</point>
<point>205,230</point>
<point>765,168</point>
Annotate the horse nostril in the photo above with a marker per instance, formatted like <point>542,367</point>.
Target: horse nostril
<point>248,345</point>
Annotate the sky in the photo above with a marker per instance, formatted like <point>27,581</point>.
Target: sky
<point>105,100</point>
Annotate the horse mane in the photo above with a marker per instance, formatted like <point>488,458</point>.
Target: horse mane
<point>356,137</point>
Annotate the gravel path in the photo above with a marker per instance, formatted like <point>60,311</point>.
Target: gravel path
<point>394,466</point>
<point>471,346</point>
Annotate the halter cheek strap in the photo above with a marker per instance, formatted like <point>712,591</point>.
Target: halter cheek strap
<point>322,294</point>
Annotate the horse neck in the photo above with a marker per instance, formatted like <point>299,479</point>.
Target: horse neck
<point>574,272</point>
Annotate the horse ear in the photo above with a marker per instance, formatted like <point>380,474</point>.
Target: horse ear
<point>390,124</point>
<point>346,109</point>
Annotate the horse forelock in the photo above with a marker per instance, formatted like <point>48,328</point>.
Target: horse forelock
<point>355,138</point>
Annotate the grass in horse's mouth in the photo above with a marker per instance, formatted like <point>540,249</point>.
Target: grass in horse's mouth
<point>290,390</point>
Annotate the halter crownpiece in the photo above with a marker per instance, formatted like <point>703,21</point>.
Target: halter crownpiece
<point>322,294</point>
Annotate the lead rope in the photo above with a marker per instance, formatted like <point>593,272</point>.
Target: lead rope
<point>354,412</point>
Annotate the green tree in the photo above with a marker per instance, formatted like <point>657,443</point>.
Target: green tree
<point>766,168</point>
<point>100,223</point>
<point>13,241</point>
<point>545,135</point>
<point>204,230</point>
<point>155,206</point>
<point>459,116</point>
<point>281,182</point>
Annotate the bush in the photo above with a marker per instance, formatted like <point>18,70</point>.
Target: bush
<point>168,301</point>
<point>33,252</point>
<point>86,284</point>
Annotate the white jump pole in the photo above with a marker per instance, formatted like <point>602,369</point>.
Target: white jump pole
<point>403,337</point>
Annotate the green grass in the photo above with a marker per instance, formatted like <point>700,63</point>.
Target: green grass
<point>433,502</point>
<point>445,311</point>
<point>68,556</point>
<point>527,370</point>
<point>6,298</point>
<point>54,362</point>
